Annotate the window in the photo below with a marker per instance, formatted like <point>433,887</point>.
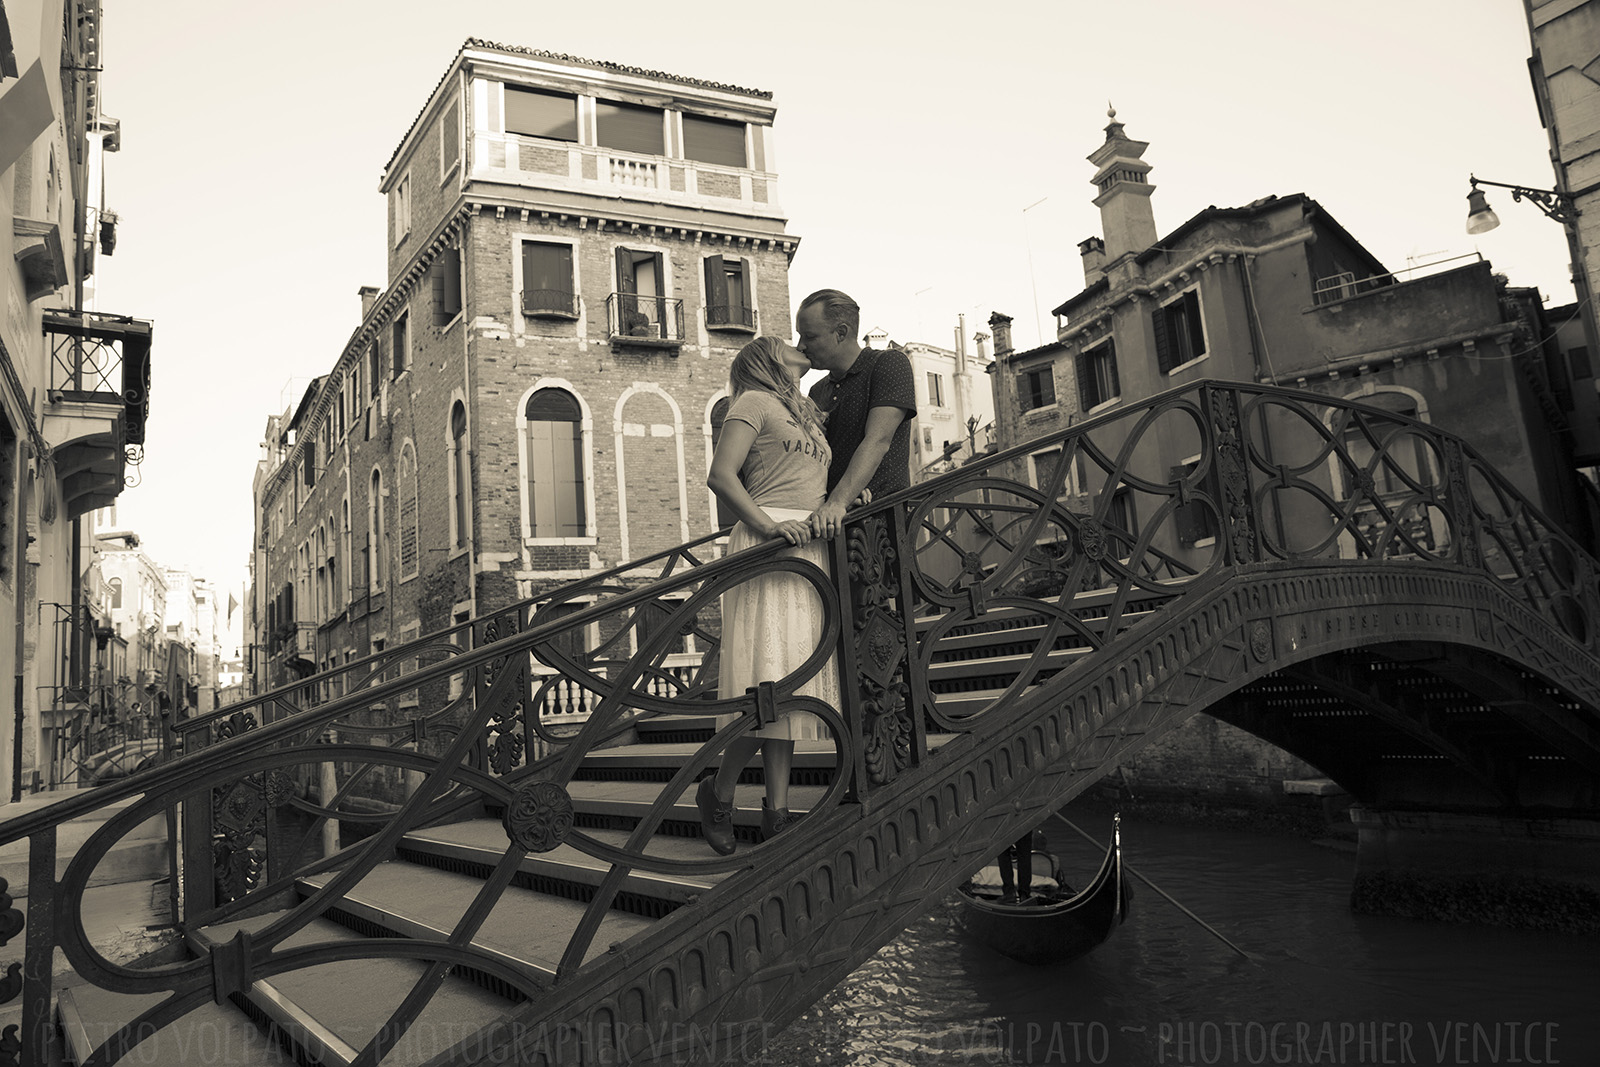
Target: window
<point>401,206</point>
<point>449,140</point>
<point>711,140</point>
<point>374,367</point>
<point>375,546</point>
<point>1097,375</point>
<point>10,499</point>
<point>1406,459</point>
<point>629,128</point>
<point>640,298</point>
<point>555,464</point>
<point>461,475</point>
<point>410,519</point>
<point>116,593</point>
<point>728,300</point>
<point>936,389</point>
<point>309,470</point>
<point>344,543</point>
<point>547,287</point>
<point>1121,516</point>
<point>535,113</point>
<point>400,345</point>
<point>335,601</point>
<point>1180,336</point>
<point>1036,388</point>
<point>445,274</point>
<point>1197,522</point>
<point>1046,466</point>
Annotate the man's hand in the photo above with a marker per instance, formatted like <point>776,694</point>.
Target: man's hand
<point>864,499</point>
<point>828,519</point>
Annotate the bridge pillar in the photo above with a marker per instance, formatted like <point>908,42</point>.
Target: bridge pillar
<point>1503,870</point>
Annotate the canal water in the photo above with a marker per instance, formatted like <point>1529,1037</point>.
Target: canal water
<point>1321,986</point>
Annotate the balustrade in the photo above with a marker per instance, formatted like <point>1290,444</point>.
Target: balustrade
<point>508,706</point>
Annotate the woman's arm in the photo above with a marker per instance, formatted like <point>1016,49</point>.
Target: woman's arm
<point>732,449</point>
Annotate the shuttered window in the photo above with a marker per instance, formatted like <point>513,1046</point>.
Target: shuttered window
<point>555,464</point>
<point>709,140</point>
<point>1036,388</point>
<point>535,113</point>
<point>547,279</point>
<point>410,517</point>
<point>449,140</point>
<point>1097,375</point>
<point>1196,521</point>
<point>462,470</point>
<point>1180,337</point>
<point>728,300</point>
<point>445,276</point>
<point>629,128</point>
<point>400,344</point>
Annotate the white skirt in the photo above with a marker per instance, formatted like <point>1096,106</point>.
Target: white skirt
<point>770,625</point>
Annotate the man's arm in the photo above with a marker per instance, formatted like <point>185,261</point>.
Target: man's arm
<point>882,422</point>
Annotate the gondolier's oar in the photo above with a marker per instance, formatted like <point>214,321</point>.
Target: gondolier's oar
<point>1167,896</point>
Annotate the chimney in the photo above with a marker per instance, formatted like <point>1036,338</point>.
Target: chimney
<point>961,343</point>
<point>1000,326</point>
<point>1093,250</point>
<point>981,339</point>
<point>369,296</point>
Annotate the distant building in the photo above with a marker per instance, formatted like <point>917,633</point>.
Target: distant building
<point>576,250</point>
<point>1278,292</point>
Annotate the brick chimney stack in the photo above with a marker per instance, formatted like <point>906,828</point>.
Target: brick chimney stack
<point>1000,327</point>
<point>369,296</point>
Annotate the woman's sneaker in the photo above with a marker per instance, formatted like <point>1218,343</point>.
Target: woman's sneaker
<point>716,819</point>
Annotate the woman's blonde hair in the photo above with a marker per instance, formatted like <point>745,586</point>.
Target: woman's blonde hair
<point>758,366</point>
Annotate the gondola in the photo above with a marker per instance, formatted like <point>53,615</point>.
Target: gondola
<point>1055,924</point>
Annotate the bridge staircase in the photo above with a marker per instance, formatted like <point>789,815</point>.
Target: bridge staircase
<point>483,845</point>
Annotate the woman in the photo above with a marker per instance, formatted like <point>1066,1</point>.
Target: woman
<point>771,470</point>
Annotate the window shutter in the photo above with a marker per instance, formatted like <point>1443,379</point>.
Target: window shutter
<point>1158,323</point>
<point>1085,368</point>
<point>1111,369</point>
<point>625,279</point>
<point>717,310</point>
<point>1197,335</point>
<point>436,279</point>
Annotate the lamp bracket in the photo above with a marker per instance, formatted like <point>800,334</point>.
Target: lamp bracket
<point>1556,205</point>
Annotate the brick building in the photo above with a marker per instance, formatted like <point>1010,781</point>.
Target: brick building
<point>576,251</point>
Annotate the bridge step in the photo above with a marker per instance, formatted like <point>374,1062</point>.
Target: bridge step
<point>211,1034</point>
<point>323,1024</point>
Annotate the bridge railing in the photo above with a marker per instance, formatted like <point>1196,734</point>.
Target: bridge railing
<point>1056,546</point>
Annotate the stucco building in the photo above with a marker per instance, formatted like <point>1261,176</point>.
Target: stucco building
<point>576,250</point>
<point>74,385</point>
<point>1277,292</point>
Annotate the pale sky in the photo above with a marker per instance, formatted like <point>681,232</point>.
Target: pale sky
<point>910,140</point>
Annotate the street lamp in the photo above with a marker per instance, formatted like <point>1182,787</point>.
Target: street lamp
<point>1481,217</point>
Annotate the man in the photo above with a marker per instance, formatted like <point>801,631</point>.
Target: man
<point>869,396</point>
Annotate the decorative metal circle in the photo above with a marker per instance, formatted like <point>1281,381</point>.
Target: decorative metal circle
<point>972,563</point>
<point>539,817</point>
<point>1092,538</point>
<point>1260,640</point>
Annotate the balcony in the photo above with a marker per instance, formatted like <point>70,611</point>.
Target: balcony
<point>532,161</point>
<point>730,317</point>
<point>98,402</point>
<point>549,304</point>
<point>645,320</point>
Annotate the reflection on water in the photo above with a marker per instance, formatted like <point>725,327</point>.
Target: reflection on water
<point>1322,986</point>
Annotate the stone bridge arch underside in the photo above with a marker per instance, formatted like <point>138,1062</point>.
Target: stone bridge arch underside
<point>1510,719</point>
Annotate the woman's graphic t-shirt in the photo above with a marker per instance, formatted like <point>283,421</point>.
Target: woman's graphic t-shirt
<point>786,467</point>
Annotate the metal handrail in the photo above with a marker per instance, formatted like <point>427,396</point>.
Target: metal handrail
<point>915,574</point>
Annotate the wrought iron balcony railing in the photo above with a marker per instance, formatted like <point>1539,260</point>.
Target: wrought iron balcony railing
<point>513,703</point>
<point>649,320</point>
<point>730,317</point>
<point>549,303</point>
<point>101,359</point>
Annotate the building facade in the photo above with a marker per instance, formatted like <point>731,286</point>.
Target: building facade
<point>955,403</point>
<point>74,385</point>
<point>1277,292</point>
<point>576,251</point>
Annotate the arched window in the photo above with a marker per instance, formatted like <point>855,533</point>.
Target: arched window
<point>116,593</point>
<point>461,474</point>
<point>719,412</point>
<point>344,549</point>
<point>409,519</point>
<point>555,464</point>
<point>375,553</point>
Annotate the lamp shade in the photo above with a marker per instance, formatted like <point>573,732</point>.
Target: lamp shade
<point>1480,216</point>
